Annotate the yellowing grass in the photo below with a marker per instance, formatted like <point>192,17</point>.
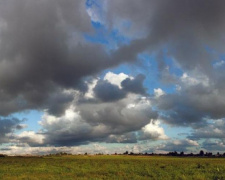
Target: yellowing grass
<point>111,167</point>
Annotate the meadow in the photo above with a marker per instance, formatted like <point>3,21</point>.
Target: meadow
<point>111,167</point>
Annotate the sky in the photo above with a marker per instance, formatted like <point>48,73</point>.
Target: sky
<point>102,76</point>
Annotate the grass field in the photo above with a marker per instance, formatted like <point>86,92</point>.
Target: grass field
<point>111,167</point>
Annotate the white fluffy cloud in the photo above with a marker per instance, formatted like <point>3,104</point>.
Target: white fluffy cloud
<point>158,92</point>
<point>116,79</point>
<point>30,138</point>
<point>153,131</point>
<point>88,120</point>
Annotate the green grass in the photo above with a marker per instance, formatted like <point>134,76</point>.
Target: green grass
<point>111,167</point>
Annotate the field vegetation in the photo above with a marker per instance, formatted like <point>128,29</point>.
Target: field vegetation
<point>111,167</point>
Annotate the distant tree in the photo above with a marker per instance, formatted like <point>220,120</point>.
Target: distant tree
<point>182,153</point>
<point>201,153</point>
<point>126,152</point>
<point>173,153</point>
<point>208,154</point>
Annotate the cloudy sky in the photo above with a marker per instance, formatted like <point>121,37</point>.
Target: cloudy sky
<point>103,76</point>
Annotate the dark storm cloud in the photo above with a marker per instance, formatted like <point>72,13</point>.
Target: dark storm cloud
<point>35,55</point>
<point>106,91</point>
<point>42,50</point>
<point>58,102</point>
<point>118,115</point>
<point>184,27</point>
<point>134,85</point>
<point>7,127</point>
<point>43,53</point>
<point>177,110</point>
<point>112,115</point>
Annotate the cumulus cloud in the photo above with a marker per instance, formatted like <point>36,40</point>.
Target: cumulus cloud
<point>185,29</point>
<point>185,145</point>
<point>124,138</point>
<point>116,79</point>
<point>106,91</point>
<point>134,85</point>
<point>153,131</point>
<point>47,64</point>
<point>158,92</point>
<point>96,122</point>
<point>29,138</point>
<point>184,26</point>
<point>108,120</point>
<point>92,148</point>
<point>7,128</point>
<point>96,118</point>
<point>212,129</point>
<point>59,52</point>
<point>190,32</point>
<point>113,90</point>
<point>196,99</point>
<point>43,51</point>
<point>213,145</point>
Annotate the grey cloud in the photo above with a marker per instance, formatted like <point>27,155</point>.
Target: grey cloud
<point>42,50</point>
<point>35,52</point>
<point>106,91</point>
<point>177,111</point>
<point>101,122</point>
<point>5,149</point>
<point>164,72</point>
<point>150,136</point>
<point>213,129</point>
<point>20,126</point>
<point>134,85</point>
<point>124,138</point>
<point>184,145</point>
<point>213,145</point>
<point>7,128</point>
<point>35,62</point>
<point>192,104</point>
<point>43,53</point>
<point>118,115</point>
<point>58,102</point>
<point>183,27</point>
